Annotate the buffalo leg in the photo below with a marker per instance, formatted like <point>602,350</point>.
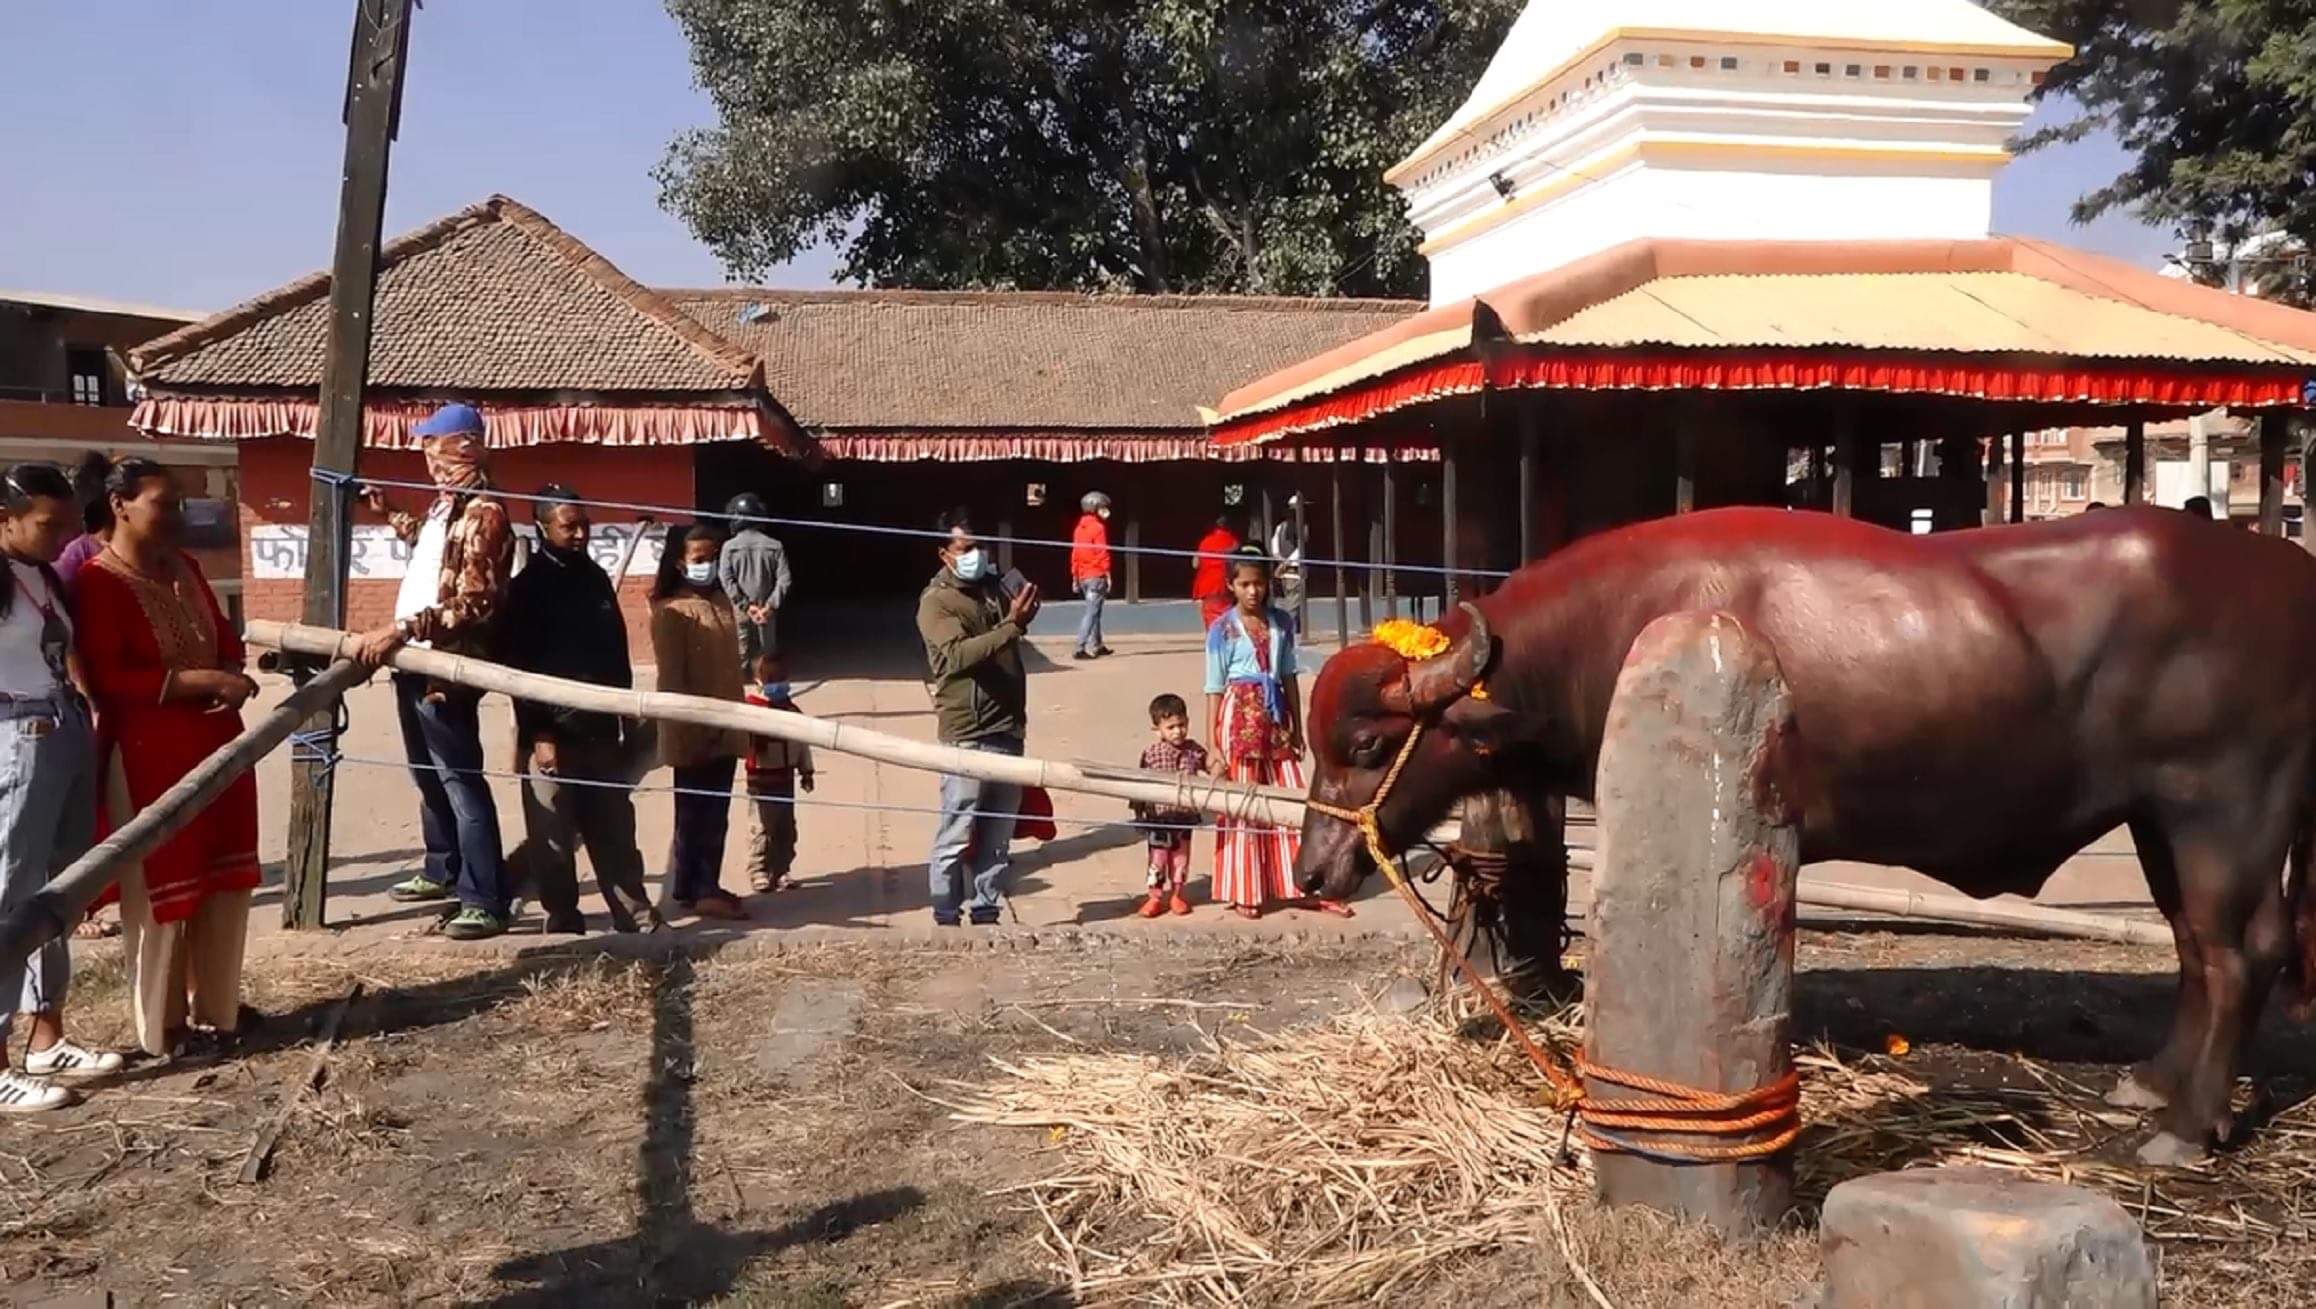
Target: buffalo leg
<point>2153,1084</point>
<point>2234,910</point>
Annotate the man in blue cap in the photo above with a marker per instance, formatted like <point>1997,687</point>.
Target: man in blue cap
<point>461,558</point>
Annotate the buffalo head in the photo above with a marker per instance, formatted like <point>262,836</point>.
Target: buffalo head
<point>1364,703</point>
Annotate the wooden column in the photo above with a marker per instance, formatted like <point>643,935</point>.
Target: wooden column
<point>1336,545</point>
<point>1004,544</point>
<point>1990,512</point>
<point>372,107</point>
<point>1269,521</point>
<point>2273,434</point>
<point>1133,561</point>
<point>2135,461</point>
<point>1449,506</point>
<point>2018,477</point>
<point>1684,470</point>
<point>1302,547</point>
<point>1529,440</point>
<point>1390,538</point>
<point>1845,461</point>
<point>1691,957</point>
<point>1367,575</point>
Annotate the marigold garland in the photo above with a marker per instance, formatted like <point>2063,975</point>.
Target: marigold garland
<point>1410,639</point>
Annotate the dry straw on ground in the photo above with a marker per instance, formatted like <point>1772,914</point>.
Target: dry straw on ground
<point>1368,1157</point>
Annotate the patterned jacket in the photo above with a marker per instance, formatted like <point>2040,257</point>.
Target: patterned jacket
<point>478,560</point>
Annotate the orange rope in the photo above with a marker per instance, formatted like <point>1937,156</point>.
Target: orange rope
<point>1676,1109</point>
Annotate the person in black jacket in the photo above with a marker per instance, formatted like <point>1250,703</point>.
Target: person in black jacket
<point>563,619</point>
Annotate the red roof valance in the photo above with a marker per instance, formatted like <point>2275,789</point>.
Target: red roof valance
<point>386,424</point>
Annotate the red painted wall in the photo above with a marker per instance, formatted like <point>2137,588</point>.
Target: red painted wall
<point>275,479</point>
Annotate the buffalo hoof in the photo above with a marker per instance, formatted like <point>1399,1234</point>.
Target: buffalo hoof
<point>2163,1150</point>
<point>2131,1093</point>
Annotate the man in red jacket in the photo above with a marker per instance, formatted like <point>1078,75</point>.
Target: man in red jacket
<point>1208,585</point>
<point>1090,571</point>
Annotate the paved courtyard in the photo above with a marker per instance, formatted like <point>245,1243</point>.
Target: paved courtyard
<point>865,833</point>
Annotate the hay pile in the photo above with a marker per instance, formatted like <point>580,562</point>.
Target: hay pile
<point>1358,1159</point>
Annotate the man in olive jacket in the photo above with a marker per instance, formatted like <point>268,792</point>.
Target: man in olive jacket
<point>972,634</point>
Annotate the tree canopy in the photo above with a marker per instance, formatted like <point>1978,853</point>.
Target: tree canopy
<point>1147,145</point>
<point>2215,100</point>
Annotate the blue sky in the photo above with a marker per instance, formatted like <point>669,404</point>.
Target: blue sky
<point>187,154</point>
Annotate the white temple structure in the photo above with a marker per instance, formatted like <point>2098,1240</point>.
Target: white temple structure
<point>1834,120</point>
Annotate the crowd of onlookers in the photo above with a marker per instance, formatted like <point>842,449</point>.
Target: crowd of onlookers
<point>119,674</point>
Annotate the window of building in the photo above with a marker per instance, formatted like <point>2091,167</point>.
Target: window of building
<point>1635,58</point>
<point>2074,484</point>
<point>1696,61</point>
<point>1728,63</point>
<point>1912,73</point>
<point>1882,71</point>
<point>1793,65</point>
<point>87,369</point>
<point>1854,70</point>
<point>1953,74</point>
<point>1982,75</point>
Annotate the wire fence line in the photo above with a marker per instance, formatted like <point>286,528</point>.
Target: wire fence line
<point>330,478</point>
<point>795,801</point>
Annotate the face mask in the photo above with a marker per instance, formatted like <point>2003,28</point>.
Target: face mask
<point>970,565</point>
<point>699,574</point>
<point>775,690</point>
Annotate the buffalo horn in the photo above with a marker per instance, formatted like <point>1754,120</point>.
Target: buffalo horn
<point>1449,676</point>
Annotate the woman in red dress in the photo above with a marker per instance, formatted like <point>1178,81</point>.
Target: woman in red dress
<point>164,668</point>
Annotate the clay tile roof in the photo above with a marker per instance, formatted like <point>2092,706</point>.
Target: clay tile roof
<point>492,298</point>
<point>1021,360</point>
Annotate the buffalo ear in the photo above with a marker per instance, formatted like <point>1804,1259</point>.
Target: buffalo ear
<point>1449,676</point>
<point>1482,726</point>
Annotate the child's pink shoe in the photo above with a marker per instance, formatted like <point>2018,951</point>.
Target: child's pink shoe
<point>1153,906</point>
<point>1179,905</point>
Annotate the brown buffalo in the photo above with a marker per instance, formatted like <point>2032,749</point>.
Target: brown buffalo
<point>1977,705</point>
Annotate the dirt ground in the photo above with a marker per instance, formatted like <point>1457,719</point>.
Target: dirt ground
<point>754,1126</point>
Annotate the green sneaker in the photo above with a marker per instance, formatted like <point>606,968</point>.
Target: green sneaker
<point>419,890</point>
<point>474,924</point>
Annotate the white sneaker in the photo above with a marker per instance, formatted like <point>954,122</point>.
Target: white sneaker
<point>29,1095</point>
<point>65,1059</point>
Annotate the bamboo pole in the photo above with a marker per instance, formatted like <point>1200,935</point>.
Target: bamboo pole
<point>1269,804</point>
<point>1266,804</point>
<point>67,896</point>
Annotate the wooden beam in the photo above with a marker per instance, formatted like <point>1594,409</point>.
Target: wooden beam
<point>1449,504</point>
<point>2135,461</point>
<point>1390,539</point>
<point>2018,476</point>
<point>373,98</point>
<point>1337,547</point>
<point>1845,461</point>
<point>1684,470</point>
<point>1529,440</point>
<point>2273,435</point>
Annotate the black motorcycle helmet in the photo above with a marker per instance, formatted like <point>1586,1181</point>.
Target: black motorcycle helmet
<point>745,507</point>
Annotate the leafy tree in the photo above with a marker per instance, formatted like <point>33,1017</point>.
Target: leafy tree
<point>1152,145</point>
<point>2216,100</point>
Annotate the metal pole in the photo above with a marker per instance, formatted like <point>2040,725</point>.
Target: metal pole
<point>373,104</point>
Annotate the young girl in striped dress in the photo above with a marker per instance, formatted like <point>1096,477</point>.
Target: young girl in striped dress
<point>1255,719</point>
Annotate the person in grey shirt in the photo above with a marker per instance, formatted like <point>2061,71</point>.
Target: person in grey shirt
<point>754,570</point>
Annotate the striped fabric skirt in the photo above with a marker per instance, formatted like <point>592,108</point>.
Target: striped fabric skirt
<point>1254,863</point>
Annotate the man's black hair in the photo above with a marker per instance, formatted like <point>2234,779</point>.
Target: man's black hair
<point>953,518</point>
<point>553,496</point>
<point>1168,706</point>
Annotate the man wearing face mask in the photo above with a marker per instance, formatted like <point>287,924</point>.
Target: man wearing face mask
<point>972,632</point>
<point>563,620</point>
<point>462,555</point>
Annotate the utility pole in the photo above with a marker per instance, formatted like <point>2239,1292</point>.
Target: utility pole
<point>373,109</point>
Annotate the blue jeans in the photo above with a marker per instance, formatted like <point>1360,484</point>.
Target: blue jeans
<point>1094,589</point>
<point>456,815</point>
<point>47,820</point>
<point>975,837</point>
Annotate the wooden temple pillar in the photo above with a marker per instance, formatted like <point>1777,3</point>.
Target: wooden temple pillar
<point>2135,461</point>
<point>1529,441</point>
<point>1390,517</point>
<point>2018,475</point>
<point>2273,434</point>
<point>1450,506</point>
<point>1685,469</point>
<point>1847,454</point>
<point>1336,546</point>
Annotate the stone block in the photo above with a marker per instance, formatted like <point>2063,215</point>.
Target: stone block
<point>1976,1238</point>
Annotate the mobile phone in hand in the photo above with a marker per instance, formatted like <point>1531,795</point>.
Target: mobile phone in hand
<point>1011,584</point>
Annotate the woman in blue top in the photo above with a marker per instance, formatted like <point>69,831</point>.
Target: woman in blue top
<point>1255,719</point>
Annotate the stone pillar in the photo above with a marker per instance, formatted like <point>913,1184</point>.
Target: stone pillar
<point>1689,972</point>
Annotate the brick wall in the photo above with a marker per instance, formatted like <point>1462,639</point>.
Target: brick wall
<point>275,480</point>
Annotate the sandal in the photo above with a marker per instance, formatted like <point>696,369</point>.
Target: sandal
<point>761,882</point>
<point>1248,912</point>
<point>719,905</point>
<point>1335,907</point>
